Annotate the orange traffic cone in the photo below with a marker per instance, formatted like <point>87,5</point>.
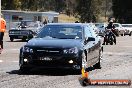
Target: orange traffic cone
<point>84,80</point>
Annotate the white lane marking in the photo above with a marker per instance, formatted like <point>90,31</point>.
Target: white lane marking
<point>1,61</point>
<point>115,53</point>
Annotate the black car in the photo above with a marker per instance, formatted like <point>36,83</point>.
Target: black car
<point>62,45</point>
<point>26,30</point>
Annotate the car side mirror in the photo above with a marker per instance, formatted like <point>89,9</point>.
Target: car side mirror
<point>89,39</point>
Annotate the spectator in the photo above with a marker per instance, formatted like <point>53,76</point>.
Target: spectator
<point>2,30</point>
<point>45,22</point>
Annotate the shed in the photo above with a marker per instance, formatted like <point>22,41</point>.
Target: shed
<point>15,16</point>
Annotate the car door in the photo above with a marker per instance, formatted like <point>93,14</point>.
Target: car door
<point>89,46</point>
<point>96,45</point>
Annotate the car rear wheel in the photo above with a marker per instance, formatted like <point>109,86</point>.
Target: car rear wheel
<point>11,39</point>
<point>98,65</point>
<point>130,34</point>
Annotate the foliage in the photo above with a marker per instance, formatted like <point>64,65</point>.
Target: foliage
<point>85,10</point>
<point>122,11</point>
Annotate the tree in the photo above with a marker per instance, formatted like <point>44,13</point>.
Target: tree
<point>11,4</point>
<point>122,11</point>
<point>88,10</point>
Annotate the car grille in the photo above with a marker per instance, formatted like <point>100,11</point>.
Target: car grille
<point>48,52</point>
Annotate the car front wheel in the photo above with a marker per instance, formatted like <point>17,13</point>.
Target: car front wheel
<point>24,69</point>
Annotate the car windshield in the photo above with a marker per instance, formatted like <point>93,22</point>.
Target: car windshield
<point>116,25</point>
<point>99,25</point>
<point>127,25</point>
<point>61,32</point>
<point>28,24</point>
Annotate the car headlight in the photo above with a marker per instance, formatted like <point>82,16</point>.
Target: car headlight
<point>11,32</point>
<point>71,50</point>
<point>27,49</point>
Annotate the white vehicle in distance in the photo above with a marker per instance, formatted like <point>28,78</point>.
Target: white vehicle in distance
<point>128,29</point>
<point>92,25</point>
<point>101,27</point>
<point>119,29</point>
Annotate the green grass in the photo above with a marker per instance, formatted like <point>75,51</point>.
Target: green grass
<point>65,18</point>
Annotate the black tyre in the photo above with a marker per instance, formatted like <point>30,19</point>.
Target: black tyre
<point>23,39</point>
<point>121,34</point>
<point>111,43</point>
<point>130,34</point>
<point>106,42</point>
<point>24,69</point>
<point>11,39</point>
<point>98,65</point>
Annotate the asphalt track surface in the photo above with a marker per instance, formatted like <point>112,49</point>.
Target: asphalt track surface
<point>116,64</point>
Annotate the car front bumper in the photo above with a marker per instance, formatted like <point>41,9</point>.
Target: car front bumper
<point>53,61</point>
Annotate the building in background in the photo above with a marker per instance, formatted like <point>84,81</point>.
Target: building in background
<point>15,16</point>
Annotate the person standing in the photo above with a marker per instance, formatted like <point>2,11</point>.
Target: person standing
<point>2,31</point>
<point>45,22</point>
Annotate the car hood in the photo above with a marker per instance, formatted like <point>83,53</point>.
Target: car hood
<point>58,43</point>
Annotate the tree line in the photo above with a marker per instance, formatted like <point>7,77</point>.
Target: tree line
<point>85,10</point>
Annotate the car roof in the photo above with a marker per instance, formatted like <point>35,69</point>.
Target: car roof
<point>73,24</point>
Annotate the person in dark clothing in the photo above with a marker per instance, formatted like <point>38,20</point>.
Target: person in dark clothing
<point>45,22</point>
<point>76,21</point>
<point>112,32</point>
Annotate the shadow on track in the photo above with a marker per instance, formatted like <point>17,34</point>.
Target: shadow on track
<point>50,72</point>
<point>47,72</point>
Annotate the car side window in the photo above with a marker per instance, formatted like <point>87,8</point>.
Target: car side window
<point>87,32</point>
<point>93,33</point>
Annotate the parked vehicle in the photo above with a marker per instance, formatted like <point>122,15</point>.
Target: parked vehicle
<point>128,29</point>
<point>62,45</point>
<point>25,30</point>
<point>119,29</point>
<point>92,25</point>
<point>101,28</point>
